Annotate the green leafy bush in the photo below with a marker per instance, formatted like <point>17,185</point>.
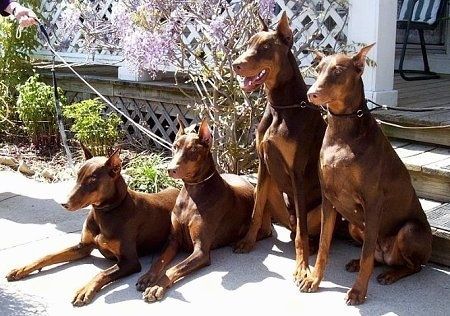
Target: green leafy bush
<point>95,129</point>
<point>36,109</point>
<point>148,173</point>
<point>15,66</point>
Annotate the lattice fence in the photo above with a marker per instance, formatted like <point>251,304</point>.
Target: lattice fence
<point>322,23</point>
<point>161,115</point>
<point>323,20</point>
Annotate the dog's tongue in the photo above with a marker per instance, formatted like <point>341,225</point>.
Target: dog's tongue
<point>249,83</point>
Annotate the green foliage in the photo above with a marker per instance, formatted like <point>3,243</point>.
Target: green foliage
<point>96,130</point>
<point>148,173</point>
<point>36,109</point>
<point>15,67</point>
<point>15,61</point>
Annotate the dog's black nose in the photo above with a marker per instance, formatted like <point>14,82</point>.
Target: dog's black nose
<point>312,96</point>
<point>236,66</point>
<point>171,172</point>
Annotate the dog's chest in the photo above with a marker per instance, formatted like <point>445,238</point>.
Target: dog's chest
<point>278,145</point>
<point>192,208</point>
<point>338,167</point>
<point>342,180</point>
<point>337,157</point>
<point>185,211</point>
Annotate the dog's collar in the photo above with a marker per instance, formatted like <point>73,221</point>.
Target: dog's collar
<point>358,113</point>
<point>109,207</point>
<point>301,105</point>
<point>201,181</point>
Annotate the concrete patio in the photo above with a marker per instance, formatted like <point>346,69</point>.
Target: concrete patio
<point>33,224</point>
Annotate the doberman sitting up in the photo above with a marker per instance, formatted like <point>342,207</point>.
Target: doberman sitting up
<point>365,181</point>
<point>122,224</point>
<point>288,140</point>
<point>213,210</point>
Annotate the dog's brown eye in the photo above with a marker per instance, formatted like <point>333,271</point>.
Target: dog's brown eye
<point>92,178</point>
<point>338,70</point>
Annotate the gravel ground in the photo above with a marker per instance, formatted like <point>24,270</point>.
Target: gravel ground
<point>45,164</point>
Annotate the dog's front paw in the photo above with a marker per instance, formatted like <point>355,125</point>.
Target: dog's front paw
<point>355,297</point>
<point>153,293</point>
<point>16,274</point>
<point>301,273</point>
<point>83,296</point>
<point>309,284</point>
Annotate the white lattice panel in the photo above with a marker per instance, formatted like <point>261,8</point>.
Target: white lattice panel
<point>71,44</point>
<point>327,19</point>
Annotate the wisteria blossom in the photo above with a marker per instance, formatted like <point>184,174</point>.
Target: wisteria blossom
<point>266,8</point>
<point>148,37</point>
<point>70,17</point>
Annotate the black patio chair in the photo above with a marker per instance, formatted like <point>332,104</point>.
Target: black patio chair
<point>419,15</point>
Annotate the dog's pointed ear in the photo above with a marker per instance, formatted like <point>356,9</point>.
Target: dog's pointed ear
<point>204,133</point>
<point>87,153</point>
<point>114,162</point>
<point>318,56</point>
<point>263,27</point>
<point>359,60</point>
<point>284,31</point>
<point>181,127</point>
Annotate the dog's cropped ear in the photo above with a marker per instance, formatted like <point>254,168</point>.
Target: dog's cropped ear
<point>114,162</point>
<point>318,56</point>
<point>180,128</point>
<point>87,153</point>
<point>204,133</point>
<point>359,60</point>
<point>284,31</point>
<point>263,27</point>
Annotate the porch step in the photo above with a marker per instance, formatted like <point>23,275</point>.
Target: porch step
<point>419,94</point>
<point>439,219</point>
<point>401,127</point>
<point>429,167</point>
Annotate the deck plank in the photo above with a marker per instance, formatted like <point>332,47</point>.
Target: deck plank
<point>428,157</point>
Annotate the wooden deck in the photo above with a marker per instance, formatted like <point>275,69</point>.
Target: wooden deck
<point>417,95</point>
<point>425,94</point>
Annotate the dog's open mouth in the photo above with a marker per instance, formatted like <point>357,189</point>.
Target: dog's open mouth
<point>251,83</point>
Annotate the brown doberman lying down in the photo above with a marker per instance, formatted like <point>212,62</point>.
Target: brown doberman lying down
<point>365,181</point>
<point>288,140</point>
<point>213,210</point>
<point>122,224</point>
